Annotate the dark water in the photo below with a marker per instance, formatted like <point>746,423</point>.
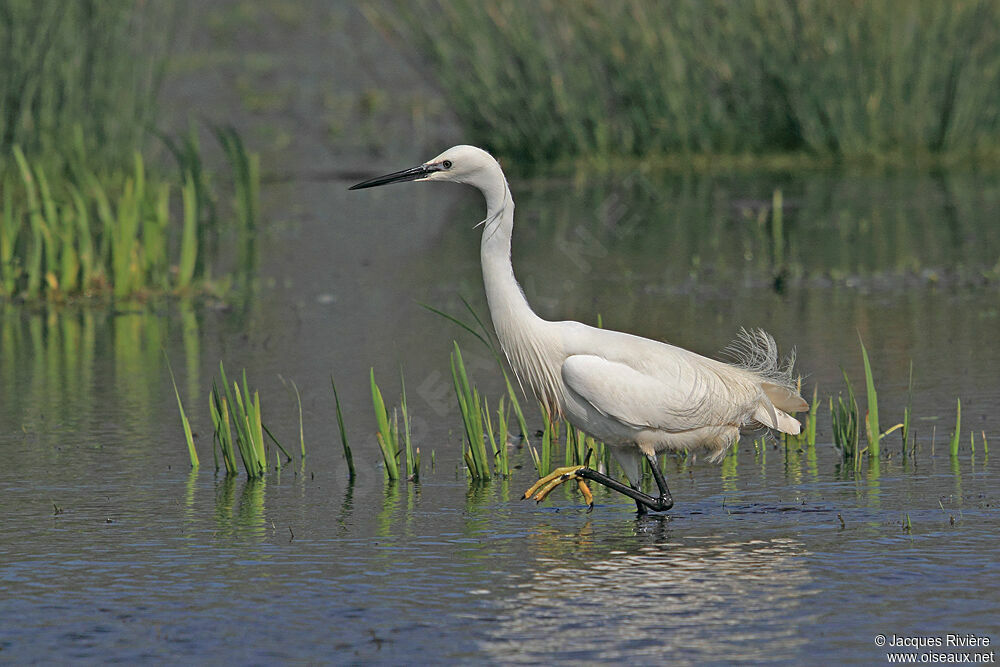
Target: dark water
<point>112,549</point>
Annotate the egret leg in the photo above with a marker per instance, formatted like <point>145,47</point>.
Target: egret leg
<point>642,500</point>
<point>640,509</point>
<point>544,486</point>
<point>665,500</point>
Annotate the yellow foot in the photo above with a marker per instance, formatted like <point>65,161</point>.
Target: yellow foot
<point>544,486</point>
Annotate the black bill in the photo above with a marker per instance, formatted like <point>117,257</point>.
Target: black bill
<point>411,174</point>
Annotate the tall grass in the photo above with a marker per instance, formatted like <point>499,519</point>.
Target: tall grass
<point>97,232</point>
<point>91,65</point>
<point>546,80</point>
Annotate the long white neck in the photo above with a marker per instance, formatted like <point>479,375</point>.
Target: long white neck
<point>508,307</point>
<point>526,339</point>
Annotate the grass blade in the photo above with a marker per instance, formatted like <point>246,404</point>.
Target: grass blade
<point>184,420</point>
<point>343,433</point>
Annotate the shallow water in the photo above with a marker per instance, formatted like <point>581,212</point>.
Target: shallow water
<point>113,550</point>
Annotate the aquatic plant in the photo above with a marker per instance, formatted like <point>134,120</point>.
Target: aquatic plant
<point>343,432</point>
<point>957,433</point>
<point>188,436</point>
<point>470,406</point>
<point>235,409</point>
<point>387,434</point>
<point>412,456</point>
<point>907,410</point>
<point>847,425</point>
<point>543,459</point>
<point>298,403</point>
<point>498,437</point>
<point>640,77</point>
<point>871,417</point>
<point>97,232</point>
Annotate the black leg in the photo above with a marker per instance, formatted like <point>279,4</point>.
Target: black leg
<point>640,509</point>
<point>665,500</point>
<point>642,500</point>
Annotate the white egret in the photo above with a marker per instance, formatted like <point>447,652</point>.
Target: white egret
<point>640,397</point>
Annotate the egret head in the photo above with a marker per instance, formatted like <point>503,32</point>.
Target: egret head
<point>459,164</point>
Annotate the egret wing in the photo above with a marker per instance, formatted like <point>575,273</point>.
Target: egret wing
<point>678,398</point>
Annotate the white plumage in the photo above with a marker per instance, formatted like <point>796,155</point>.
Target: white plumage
<point>639,396</point>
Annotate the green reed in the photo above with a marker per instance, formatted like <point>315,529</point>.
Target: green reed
<point>412,455</point>
<point>387,433</point>
<point>343,432</point>
<point>543,459</point>
<point>498,437</point>
<point>470,407</point>
<point>957,433</point>
<point>188,436</point>
<point>871,418</point>
<point>112,231</point>
<point>97,66</point>
<point>847,425</point>
<point>298,404</point>
<point>640,77</point>
<point>235,410</point>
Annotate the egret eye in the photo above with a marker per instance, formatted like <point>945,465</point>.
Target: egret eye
<point>446,164</point>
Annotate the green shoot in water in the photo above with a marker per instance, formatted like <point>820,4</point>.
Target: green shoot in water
<point>873,433</point>
<point>237,409</point>
<point>847,425</point>
<point>184,420</point>
<point>387,436</point>
<point>498,437</point>
<point>343,433</point>
<point>471,408</point>
<point>412,459</point>
<point>907,411</point>
<point>871,419</point>
<point>956,434</point>
<point>543,460</point>
<point>298,403</point>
